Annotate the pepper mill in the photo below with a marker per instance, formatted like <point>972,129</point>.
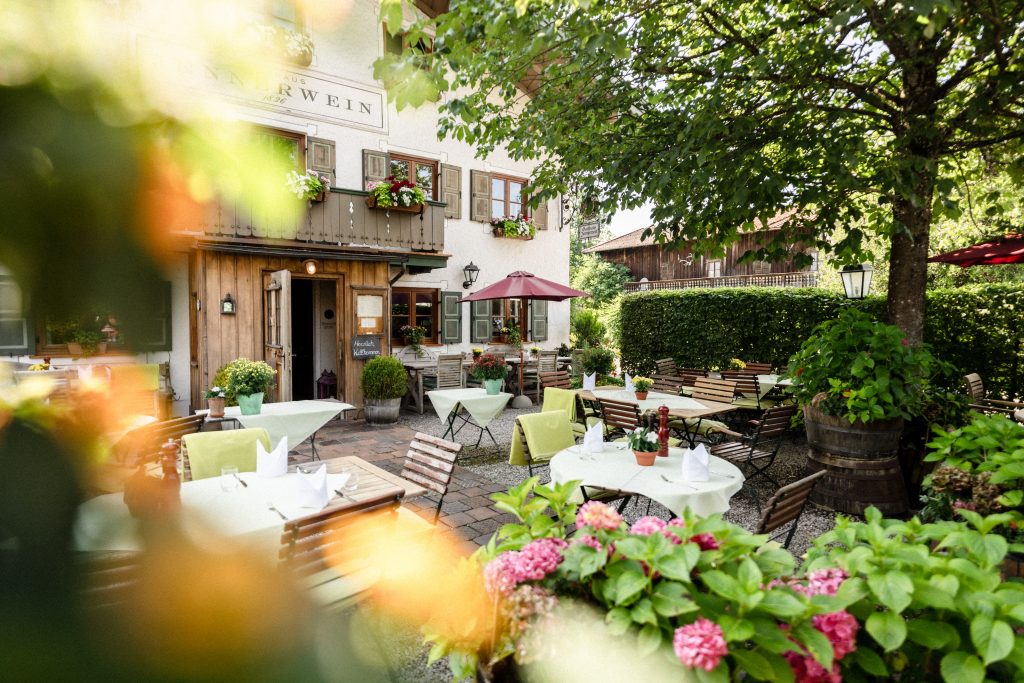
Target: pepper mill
<point>171,488</point>
<point>663,431</point>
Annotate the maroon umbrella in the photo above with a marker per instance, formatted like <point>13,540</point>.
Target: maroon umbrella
<point>1008,249</point>
<point>524,286</point>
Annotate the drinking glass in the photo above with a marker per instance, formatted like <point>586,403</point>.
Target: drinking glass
<point>352,483</point>
<point>229,477</point>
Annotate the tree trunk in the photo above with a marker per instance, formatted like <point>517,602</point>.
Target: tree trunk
<point>908,264</point>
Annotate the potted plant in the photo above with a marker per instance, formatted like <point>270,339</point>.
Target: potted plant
<point>857,380</point>
<point>535,352</point>
<point>87,342</point>
<point>215,397</point>
<point>491,370</point>
<point>395,195</point>
<point>248,381</point>
<point>384,383</point>
<point>980,472</point>
<point>641,385</point>
<point>413,336</point>
<point>510,332</point>
<point>701,599</point>
<point>516,227</point>
<point>599,360</point>
<point>298,47</point>
<point>477,352</point>
<point>645,445</point>
<point>310,185</point>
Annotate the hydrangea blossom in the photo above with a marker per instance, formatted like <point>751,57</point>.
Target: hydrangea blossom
<point>535,561</point>
<point>806,669</point>
<point>705,541</point>
<point>825,581</point>
<point>587,539</point>
<point>597,515</point>
<point>700,645</point>
<point>674,524</point>
<point>645,526</point>
<point>841,630</point>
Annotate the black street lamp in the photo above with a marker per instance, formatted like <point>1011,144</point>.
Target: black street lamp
<point>471,272</point>
<point>856,280</point>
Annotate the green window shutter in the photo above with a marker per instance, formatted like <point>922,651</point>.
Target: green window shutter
<point>540,215</point>
<point>480,199</point>
<point>480,322</point>
<point>17,333</point>
<point>375,166</point>
<point>320,157</point>
<point>538,320</point>
<point>451,318</point>
<point>155,332</point>
<point>451,190</point>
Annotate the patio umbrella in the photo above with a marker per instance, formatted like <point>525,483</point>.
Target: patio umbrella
<point>525,287</point>
<point>1008,249</point>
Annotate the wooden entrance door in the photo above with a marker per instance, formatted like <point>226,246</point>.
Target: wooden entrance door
<point>277,316</point>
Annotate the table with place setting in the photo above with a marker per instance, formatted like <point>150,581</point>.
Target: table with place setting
<point>615,468</point>
<point>241,505</point>
<point>680,407</point>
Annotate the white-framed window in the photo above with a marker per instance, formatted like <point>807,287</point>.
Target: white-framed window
<point>815,262</point>
<point>714,268</point>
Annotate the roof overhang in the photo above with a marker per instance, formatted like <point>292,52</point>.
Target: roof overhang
<point>288,249</point>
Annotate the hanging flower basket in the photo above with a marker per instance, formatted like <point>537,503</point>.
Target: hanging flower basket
<point>513,228</point>
<point>403,196</point>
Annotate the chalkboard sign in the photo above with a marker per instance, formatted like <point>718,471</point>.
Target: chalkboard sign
<point>365,346</point>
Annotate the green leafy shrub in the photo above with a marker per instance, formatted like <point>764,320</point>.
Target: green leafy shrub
<point>599,360</point>
<point>247,377</point>
<point>384,377</point>
<point>981,469</point>
<point>879,600</point>
<point>220,379</point>
<point>975,328</point>
<point>866,369</point>
<point>586,329</point>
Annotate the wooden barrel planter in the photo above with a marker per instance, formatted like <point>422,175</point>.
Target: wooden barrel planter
<point>861,462</point>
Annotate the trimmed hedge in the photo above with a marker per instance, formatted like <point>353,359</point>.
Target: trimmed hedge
<point>976,328</point>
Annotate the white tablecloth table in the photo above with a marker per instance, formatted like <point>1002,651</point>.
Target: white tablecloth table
<point>616,468</point>
<point>653,401</point>
<point>481,407</point>
<point>766,383</point>
<point>298,420</point>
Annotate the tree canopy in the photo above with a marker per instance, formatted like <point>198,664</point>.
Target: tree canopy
<point>866,116</point>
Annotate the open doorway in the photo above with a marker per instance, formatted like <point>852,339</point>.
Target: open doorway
<point>314,336</point>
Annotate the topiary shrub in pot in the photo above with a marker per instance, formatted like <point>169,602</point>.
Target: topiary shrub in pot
<point>857,381</point>
<point>384,385</point>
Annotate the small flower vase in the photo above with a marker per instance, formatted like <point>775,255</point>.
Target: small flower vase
<point>493,386</point>
<point>641,395</point>
<point>477,354</point>
<point>645,458</point>
<point>250,404</point>
<point>216,406</point>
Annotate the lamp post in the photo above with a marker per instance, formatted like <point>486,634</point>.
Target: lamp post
<point>856,280</point>
<point>471,272</point>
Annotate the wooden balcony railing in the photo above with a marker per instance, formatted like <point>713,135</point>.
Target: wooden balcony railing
<point>803,279</point>
<point>341,219</point>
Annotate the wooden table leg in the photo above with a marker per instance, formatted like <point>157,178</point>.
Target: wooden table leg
<point>419,391</point>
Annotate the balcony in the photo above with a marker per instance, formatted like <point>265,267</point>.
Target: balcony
<point>342,219</point>
<point>801,279</point>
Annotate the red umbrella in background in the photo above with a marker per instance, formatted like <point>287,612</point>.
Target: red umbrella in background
<point>1008,249</point>
<point>524,286</point>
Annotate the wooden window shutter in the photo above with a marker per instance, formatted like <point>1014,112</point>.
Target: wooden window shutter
<point>540,215</point>
<point>451,190</point>
<point>375,166</point>
<point>17,333</point>
<point>155,331</point>
<point>320,157</point>
<point>538,320</point>
<point>480,322</point>
<point>451,318</point>
<point>480,199</point>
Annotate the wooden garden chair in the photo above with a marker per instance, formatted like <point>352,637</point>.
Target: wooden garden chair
<point>690,377</point>
<point>757,368</point>
<point>786,507</point>
<point>707,389</point>
<point>976,392</point>
<point>756,452</point>
<point>619,416</point>
<point>747,395</point>
<point>668,384</point>
<point>558,379</point>
<point>430,462</point>
<point>666,366</point>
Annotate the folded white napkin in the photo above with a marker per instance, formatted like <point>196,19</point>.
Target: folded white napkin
<point>590,381</point>
<point>274,463</point>
<point>85,372</point>
<point>629,383</point>
<point>312,491</point>
<point>696,464</point>
<point>593,438</point>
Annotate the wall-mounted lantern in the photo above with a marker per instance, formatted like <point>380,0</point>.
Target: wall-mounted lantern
<point>311,266</point>
<point>472,272</point>
<point>227,305</point>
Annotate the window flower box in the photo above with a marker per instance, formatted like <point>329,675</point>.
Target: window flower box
<point>514,228</point>
<point>396,195</point>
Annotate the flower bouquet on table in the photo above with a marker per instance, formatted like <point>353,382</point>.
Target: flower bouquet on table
<point>514,227</point>
<point>641,385</point>
<point>705,600</point>
<point>215,398</point>
<point>477,352</point>
<point>309,185</point>
<point>390,193</point>
<point>491,370</point>
<point>645,445</point>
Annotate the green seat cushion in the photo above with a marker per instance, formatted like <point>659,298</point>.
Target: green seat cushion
<point>209,451</point>
<point>751,403</point>
<point>705,428</point>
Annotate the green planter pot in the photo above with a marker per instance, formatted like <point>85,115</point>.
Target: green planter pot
<point>493,386</point>
<point>250,404</point>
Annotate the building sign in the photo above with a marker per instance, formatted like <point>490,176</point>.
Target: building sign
<point>590,229</point>
<point>365,346</point>
<point>299,92</point>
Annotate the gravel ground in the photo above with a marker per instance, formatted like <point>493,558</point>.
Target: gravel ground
<point>404,646</point>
